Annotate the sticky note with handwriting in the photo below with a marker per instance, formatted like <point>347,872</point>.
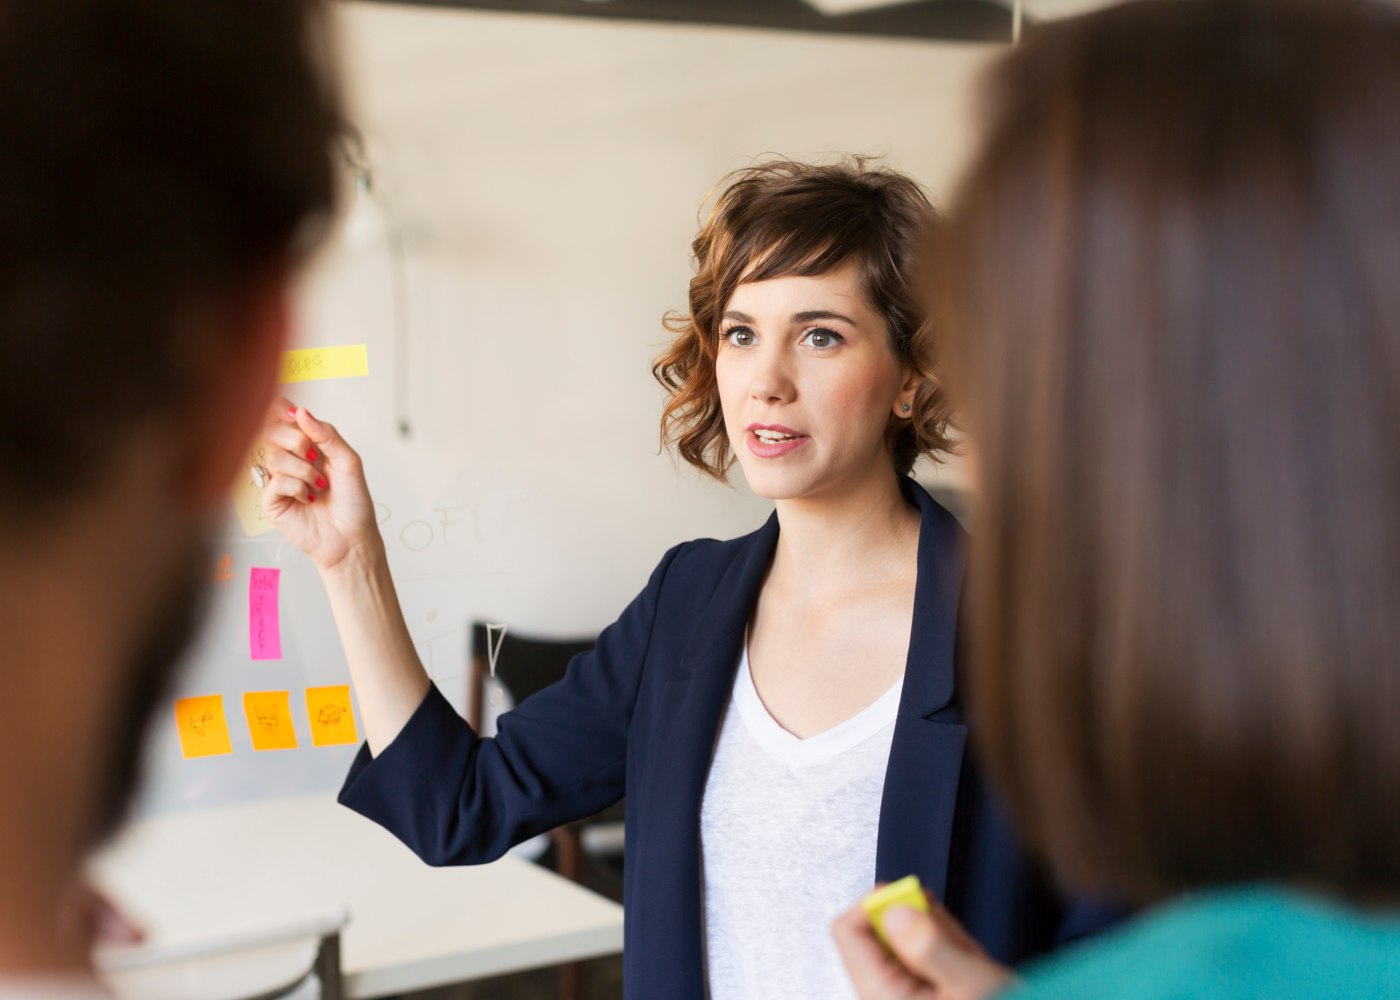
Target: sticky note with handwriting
<point>270,720</point>
<point>331,717</point>
<point>264,629</point>
<point>314,363</point>
<point>247,497</point>
<point>202,726</point>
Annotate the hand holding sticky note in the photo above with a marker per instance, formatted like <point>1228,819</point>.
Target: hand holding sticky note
<point>247,497</point>
<point>937,954</point>
<point>905,892</point>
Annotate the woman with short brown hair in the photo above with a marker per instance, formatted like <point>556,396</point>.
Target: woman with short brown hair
<point>1171,290</point>
<point>781,709</point>
<point>785,218</point>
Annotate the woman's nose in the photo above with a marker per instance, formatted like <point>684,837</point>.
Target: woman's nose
<point>772,379</point>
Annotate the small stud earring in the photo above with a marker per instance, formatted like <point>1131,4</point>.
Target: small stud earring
<point>904,408</point>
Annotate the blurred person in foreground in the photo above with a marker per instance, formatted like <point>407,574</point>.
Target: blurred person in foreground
<point>1171,288</point>
<point>164,168</point>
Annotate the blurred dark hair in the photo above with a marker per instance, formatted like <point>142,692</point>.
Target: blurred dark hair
<point>1171,286</point>
<point>156,158</point>
<point>781,218</point>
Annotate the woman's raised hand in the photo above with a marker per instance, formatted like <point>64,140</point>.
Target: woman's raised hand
<point>934,958</point>
<point>316,492</point>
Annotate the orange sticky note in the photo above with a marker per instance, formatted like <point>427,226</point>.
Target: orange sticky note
<point>223,570</point>
<point>270,720</point>
<point>203,728</point>
<point>332,719</point>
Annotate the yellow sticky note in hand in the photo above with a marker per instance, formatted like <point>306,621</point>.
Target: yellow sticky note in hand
<point>247,497</point>
<point>331,717</point>
<point>270,720</point>
<point>202,726</point>
<point>906,892</point>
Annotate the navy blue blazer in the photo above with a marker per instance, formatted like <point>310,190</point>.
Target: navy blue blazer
<point>639,716</point>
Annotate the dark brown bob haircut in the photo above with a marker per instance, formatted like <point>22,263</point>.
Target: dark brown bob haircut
<point>1171,283</point>
<point>782,218</point>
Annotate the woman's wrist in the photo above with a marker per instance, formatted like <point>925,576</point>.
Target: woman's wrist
<point>362,562</point>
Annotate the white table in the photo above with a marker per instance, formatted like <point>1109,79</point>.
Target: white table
<point>228,871</point>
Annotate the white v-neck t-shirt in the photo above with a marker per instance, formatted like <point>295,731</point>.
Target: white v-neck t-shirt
<point>787,844</point>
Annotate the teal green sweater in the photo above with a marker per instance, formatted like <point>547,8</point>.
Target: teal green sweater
<point>1244,943</point>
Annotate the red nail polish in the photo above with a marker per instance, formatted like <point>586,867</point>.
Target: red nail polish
<point>292,412</point>
<point>321,483</point>
<point>311,455</point>
<point>311,498</point>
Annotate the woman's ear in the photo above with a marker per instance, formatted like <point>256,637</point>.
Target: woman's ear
<point>908,392</point>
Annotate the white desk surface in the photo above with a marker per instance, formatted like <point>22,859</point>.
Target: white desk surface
<point>227,871</point>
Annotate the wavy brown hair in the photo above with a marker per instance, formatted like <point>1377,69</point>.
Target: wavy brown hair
<point>1185,581</point>
<point>782,218</point>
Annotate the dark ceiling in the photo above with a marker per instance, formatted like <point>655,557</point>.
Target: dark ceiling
<point>958,20</point>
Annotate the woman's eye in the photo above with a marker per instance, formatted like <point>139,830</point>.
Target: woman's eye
<point>740,336</point>
<point>822,339</point>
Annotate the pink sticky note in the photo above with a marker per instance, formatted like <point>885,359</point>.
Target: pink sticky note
<point>264,632</point>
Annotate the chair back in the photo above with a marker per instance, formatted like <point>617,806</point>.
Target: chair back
<point>524,665</point>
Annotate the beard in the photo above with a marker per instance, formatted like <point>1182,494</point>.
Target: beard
<point>149,669</point>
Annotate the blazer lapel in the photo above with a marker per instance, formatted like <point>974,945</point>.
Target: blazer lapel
<point>921,780</point>
<point>693,703</point>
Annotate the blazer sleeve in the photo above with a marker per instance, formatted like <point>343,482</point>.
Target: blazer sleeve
<point>457,799</point>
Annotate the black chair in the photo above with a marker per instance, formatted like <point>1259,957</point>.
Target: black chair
<point>526,665</point>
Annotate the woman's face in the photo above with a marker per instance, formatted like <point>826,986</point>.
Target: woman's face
<point>807,383</point>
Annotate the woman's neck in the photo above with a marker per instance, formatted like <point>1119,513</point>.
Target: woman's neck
<point>843,538</point>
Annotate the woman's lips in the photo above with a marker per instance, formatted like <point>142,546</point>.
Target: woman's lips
<point>773,440</point>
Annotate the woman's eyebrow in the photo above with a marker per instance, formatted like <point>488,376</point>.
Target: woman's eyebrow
<point>802,317</point>
<point>816,314</point>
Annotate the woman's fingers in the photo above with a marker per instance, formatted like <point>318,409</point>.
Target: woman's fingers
<point>292,453</point>
<point>293,429</point>
<point>291,439</point>
<point>324,437</point>
<point>874,974</point>
<point>933,957</point>
<point>290,487</point>
<point>284,463</point>
<point>937,949</point>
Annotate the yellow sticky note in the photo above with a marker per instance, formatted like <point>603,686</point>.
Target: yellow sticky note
<point>332,719</point>
<point>906,892</point>
<point>247,497</point>
<point>203,728</point>
<point>270,720</point>
<point>314,363</point>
